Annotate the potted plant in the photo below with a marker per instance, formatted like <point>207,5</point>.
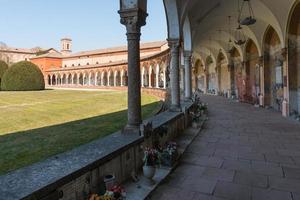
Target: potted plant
<point>195,116</point>
<point>169,154</point>
<point>119,192</point>
<point>151,160</point>
<point>202,108</point>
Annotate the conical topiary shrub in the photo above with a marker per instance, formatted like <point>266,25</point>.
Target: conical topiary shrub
<point>23,76</point>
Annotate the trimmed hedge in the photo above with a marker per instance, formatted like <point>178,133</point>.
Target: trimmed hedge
<point>3,68</point>
<point>23,76</point>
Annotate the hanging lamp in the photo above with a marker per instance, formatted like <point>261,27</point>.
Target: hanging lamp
<point>220,40</point>
<point>240,36</point>
<point>230,43</point>
<point>250,20</point>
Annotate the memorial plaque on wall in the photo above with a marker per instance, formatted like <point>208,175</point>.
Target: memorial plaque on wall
<point>257,75</point>
<point>278,75</point>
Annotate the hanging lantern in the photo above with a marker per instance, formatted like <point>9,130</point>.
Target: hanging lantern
<point>230,43</point>
<point>220,40</point>
<point>240,36</point>
<point>250,20</point>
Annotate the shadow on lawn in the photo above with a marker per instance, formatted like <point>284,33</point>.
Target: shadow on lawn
<point>24,148</point>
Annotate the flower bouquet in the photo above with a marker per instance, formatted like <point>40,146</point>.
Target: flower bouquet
<point>169,154</point>
<point>117,192</point>
<point>152,158</point>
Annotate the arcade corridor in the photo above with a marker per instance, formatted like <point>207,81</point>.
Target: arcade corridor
<point>243,153</point>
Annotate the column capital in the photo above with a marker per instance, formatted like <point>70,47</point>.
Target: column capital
<point>133,19</point>
<point>261,60</point>
<point>173,43</point>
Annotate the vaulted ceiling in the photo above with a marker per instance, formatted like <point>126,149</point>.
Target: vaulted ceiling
<point>208,21</point>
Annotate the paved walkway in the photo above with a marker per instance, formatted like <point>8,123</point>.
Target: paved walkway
<point>244,153</point>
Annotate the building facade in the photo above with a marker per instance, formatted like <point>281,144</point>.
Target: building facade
<point>103,67</point>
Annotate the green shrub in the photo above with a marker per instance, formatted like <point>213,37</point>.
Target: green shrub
<point>3,68</point>
<point>23,76</point>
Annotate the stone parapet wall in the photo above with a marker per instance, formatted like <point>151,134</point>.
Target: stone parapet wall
<point>161,93</point>
<point>157,92</point>
<point>75,174</point>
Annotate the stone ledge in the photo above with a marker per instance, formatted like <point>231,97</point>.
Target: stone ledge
<point>43,178</point>
<point>62,168</point>
<point>140,190</point>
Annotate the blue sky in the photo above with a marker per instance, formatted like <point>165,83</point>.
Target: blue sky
<point>91,24</point>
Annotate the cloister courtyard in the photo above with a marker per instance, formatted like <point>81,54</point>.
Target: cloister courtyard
<point>59,120</point>
<point>91,125</point>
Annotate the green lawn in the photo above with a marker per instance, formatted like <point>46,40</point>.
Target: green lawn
<point>36,125</point>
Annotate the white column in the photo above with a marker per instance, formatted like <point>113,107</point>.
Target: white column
<point>157,77</point>
<point>122,74</point>
<point>115,79</point>
<point>188,75</point>
<point>164,80</point>
<point>150,77</point>
<point>142,79</point>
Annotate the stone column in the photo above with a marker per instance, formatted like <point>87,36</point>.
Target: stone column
<point>150,78</point>
<point>142,78</point>
<point>51,80</point>
<point>285,102</point>
<point>157,77</point>
<point>206,80</point>
<point>122,74</point>
<point>182,78</point>
<point>133,20</point>
<point>115,79</point>
<point>174,74</point>
<point>165,79</point>
<point>188,74</point>
<point>232,79</point>
<point>261,82</point>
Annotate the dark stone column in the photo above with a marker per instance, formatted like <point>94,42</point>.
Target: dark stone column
<point>231,69</point>
<point>174,72</point>
<point>188,74</point>
<point>133,20</point>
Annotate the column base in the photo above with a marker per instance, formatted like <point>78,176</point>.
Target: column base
<point>130,129</point>
<point>188,99</point>
<point>175,108</point>
<point>285,108</point>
